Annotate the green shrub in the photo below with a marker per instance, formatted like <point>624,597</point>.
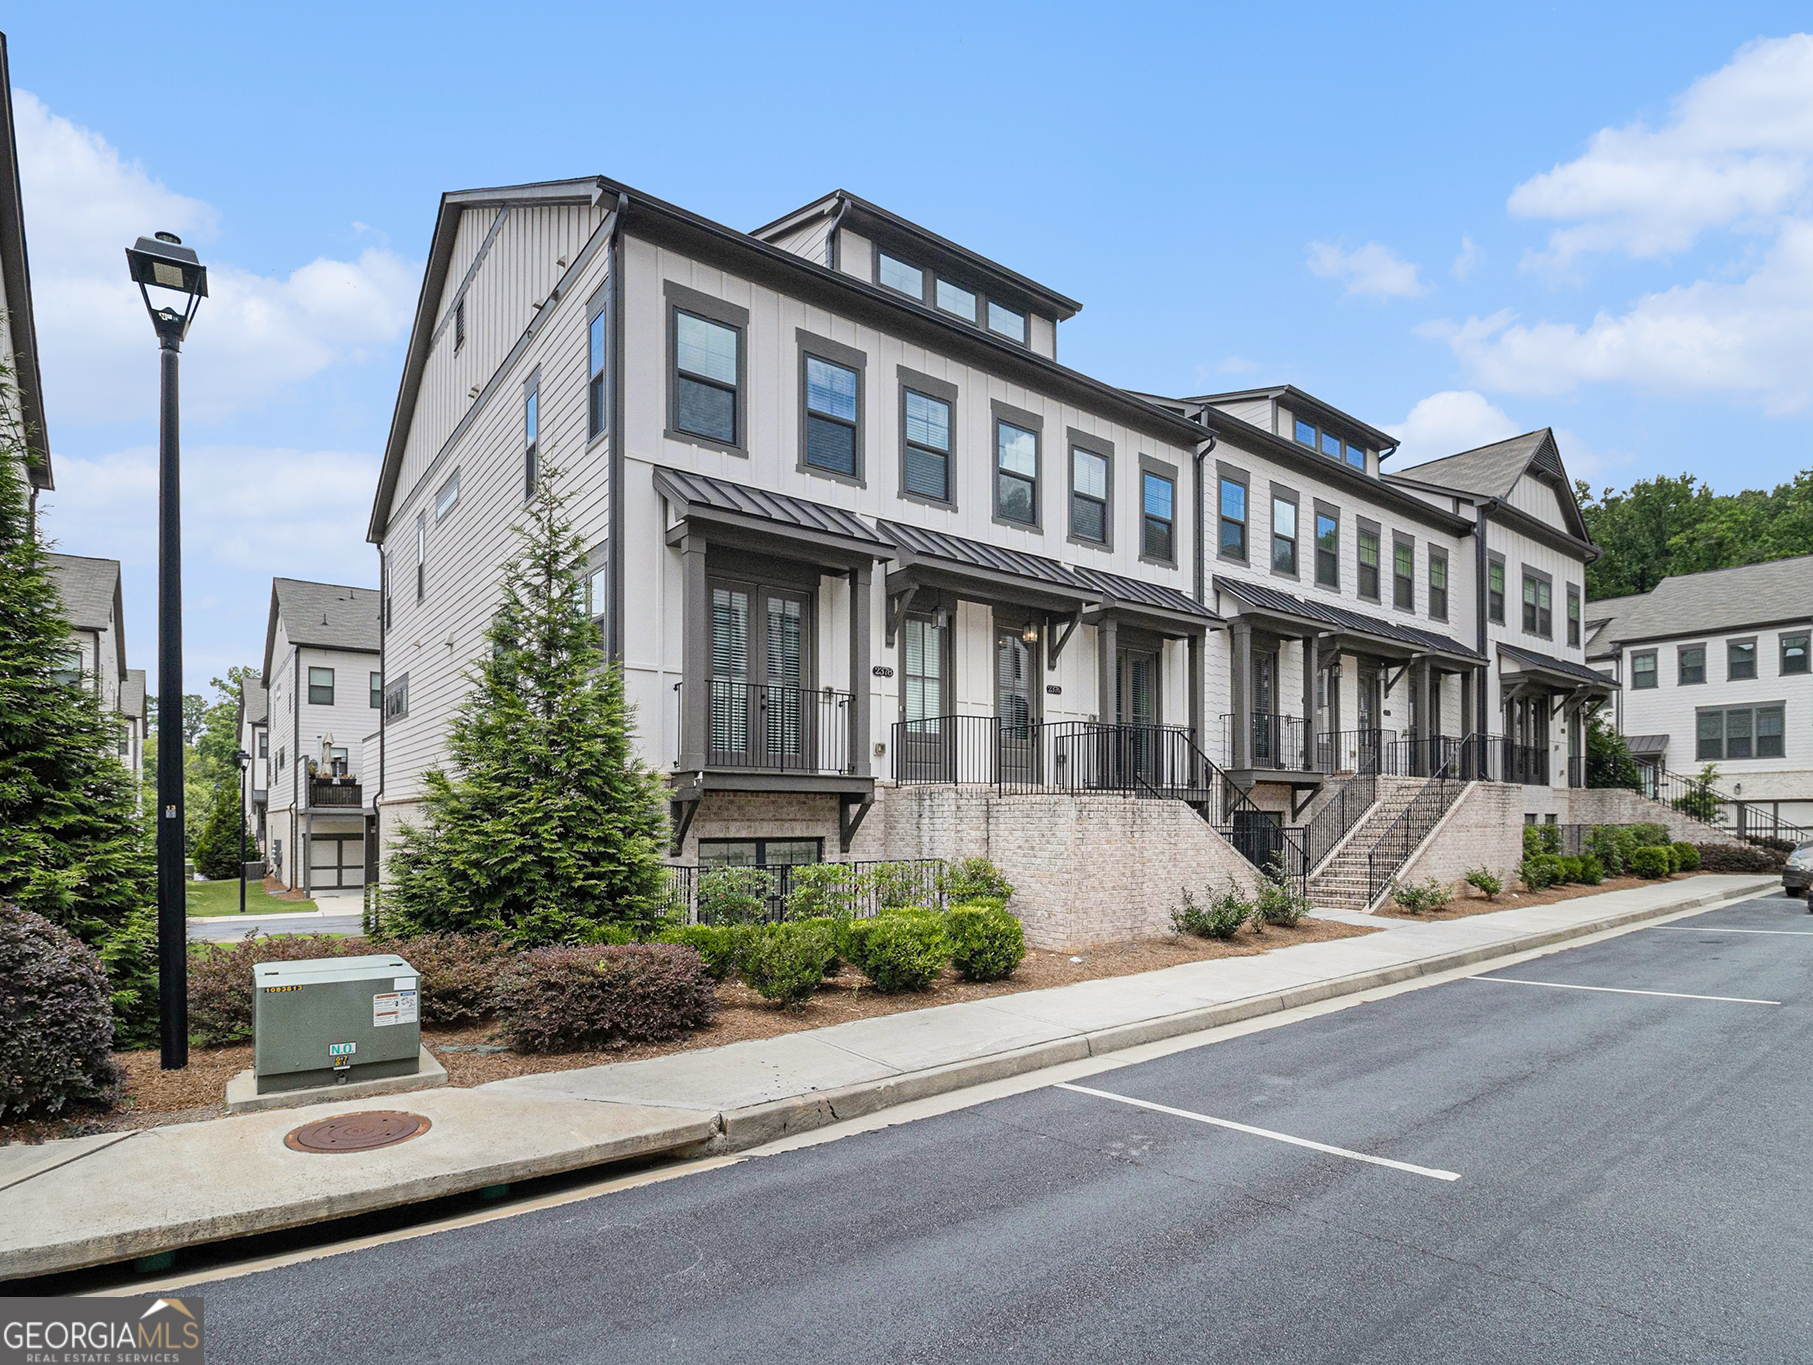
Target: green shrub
<point>129,957</point>
<point>734,895</point>
<point>1592,871</point>
<point>1486,882</point>
<point>220,980</point>
<point>611,935</point>
<point>459,973</point>
<point>1602,843</point>
<point>1538,872</point>
<point>567,999</point>
<point>719,946</point>
<point>987,942</point>
<point>1687,857</point>
<point>1277,903</point>
<point>1650,861</point>
<point>972,881</point>
<point>1427,895</point>
<point>56,1029</point>
<point>1572,870</point>
<point>822,891</point>
<point>896,885</point>
<point>903,951</point>
<point>786,962</point>
<point>1738,858</point>
<point>1532,841</point>
<point>1220,918</point>
<point>1650,835</point>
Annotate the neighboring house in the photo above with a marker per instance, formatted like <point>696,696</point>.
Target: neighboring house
<point>321,683</point>
<point>18,331</point>
<point>96,656</point>
<point>855,534</point>
<point>1717,668</point>
<point>255,742</point>
<point>136,726</point>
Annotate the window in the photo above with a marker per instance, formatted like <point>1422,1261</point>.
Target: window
<point>68,671</point>
<point>1328,549</point>
<point>1356,456</point>
<point>448,497</point>
<point>1308,434</point>
<point>1088,496</point>
<point>832,409</point>
<point>396,699</point>
<point>927,458</point>
<point>597,585</point>
<point>1284,536</point>
<point>594,368</point>
<point>1158,538</point>
<point>377,691</point>
<point>321,687</point>
<point>1691,661</point>
<point>896,274</point>
<point>1369,564</point>
<point>922,674</point>
<point>1739,732</point>
<point>1438,583</point>
<point>1643,669</point>
<point>531,430</point>
<point>759,852</point>
<point>280,760</point>
<point>421,554</point>
<point>1403,573</point>
<point>706,363</point>
<point>1740,660</point>
<point>1016,473</point>
<point>1495,590</point>
<point>1331,445</point>
<point>1573,616</point>
<point>459,325</point>
<point>264,743</point>
<point>1233,518</point>
<point>1305,434</point>
<point>953,298</point>
<point>1538,605</point>
<point>1007,322</point>
<point>1794,653</point>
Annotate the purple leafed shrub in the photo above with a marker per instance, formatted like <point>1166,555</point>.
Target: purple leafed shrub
<point>56,1026</point>
<point>572,999</point>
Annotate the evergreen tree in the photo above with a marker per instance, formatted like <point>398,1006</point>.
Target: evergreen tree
<point>216,849</point>
<point>73,849</point>
<point>548,825</point>
<point>1608,758</point>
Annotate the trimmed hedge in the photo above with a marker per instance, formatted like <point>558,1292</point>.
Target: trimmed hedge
<point>459,972</point>
<point>1739,858</point>
<point>56,1026</point>
<point>570,999</point>
<point>987,943</point>
<point>903,950</point>
<point>220,980</point>
<point>786,962</point>
<point>720,945</point>
<point>1651,862</point>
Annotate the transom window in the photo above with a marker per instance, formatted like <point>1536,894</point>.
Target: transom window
<point>1692,663</point>
<point>897,274</point>
<point>1008,322</point>
<point>1643,669</point>
<point>1088,495</point>
<point>1284,536</point>
<point>1795,653</point>
<point>928,446</point>
<point>705,378</point>
<point>954,298</point>
<point>1740,732</point>
<point>1233,518</point>
<point>1328,550</point>
<point>1157,497</point>
<point>1016,473</point>
<point>1438,584</point>
<point>830,416</point>
<point>1331,445</point>
<point>321,687</point>
<point>1740,660</point>
<point>1538,606</point>
<point>1369,564</point>
<point>1403,575</point>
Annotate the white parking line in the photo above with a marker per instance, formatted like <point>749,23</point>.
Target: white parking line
<point>1618,990</point>
<point>1715,929</point>
<point>1263,1132</point>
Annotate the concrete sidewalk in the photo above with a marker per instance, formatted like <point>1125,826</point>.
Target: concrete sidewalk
<point>86,1201</point>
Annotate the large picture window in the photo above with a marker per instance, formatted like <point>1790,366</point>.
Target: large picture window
<point>1740,732</point>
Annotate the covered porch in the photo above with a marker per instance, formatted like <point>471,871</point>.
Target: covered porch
<point>1538,693</point>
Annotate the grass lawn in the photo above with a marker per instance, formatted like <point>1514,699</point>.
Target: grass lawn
<point>222,898</point>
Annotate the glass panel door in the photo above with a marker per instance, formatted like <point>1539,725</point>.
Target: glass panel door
<point>1265,709</point>
<point>730,699</point>
<point>1136,709</point>
<point>786,717</point>
<point>1371,737</point>
<point>1016,706</point>
<point>928,751</point>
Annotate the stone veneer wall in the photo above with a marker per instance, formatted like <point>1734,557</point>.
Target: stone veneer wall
<point>1483,828</point>
<point>1618,806</point>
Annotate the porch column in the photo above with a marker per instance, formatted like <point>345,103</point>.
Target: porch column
<point>1466,716</point>
<point>1240,754</point>
<point>1311,656</point>
<point>1195,691</point>
<point>1419,690</point>
<point>1107,658</point>
<point>695,654</point>
<point>859,669</point>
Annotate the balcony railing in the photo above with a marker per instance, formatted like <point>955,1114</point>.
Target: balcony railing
<point>335,791</point>
<point>1576,770</point>
<point>1525,763</point>
<point>774,727</point>
<point>1272,740</point>
<point>1041,756</point>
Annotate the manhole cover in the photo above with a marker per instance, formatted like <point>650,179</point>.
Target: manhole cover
<point>357,1132</point>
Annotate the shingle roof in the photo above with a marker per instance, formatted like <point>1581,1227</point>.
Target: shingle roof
<point>1717,600</point>
<point>981,555</point>
<point>88,588</point>
<point>1602,619</point>
<point>1270,599</point>
<point>1548,663</point>
<point>254,702</point>
<point>326,615</point>
<point>132,693</point>
<point>701,490</point>
<point>1490,471</point>
<point>1145,594</point>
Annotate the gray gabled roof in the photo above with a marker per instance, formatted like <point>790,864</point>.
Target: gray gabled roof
<point>132,694</point>
<point>1326,613</point>
<point>1492,471</point>
<point>324,615</point>
<point>15,271</point>
<point>90,589</point>
<point>254,702</point>
<point>1602,619</point>
<point>1715,601</point>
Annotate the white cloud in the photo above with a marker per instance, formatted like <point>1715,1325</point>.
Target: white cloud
<point>1236,364</point>
<point>1471,254</point>
<point>255,335</point>
<point>1737,151</point>
<point>1447,423</point>
<point>1373,271</point>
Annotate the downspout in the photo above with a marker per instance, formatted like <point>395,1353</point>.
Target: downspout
<point>614,652</point>
<point>377,797</point>
<point>834,236</point>
<point>1201,558</point>
<point>1483,514</point>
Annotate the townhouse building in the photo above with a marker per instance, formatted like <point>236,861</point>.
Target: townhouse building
<point>857,537</point>
<point>18,330</point>
<point>95,659</point>
<point>255,742</point>
<point>321,681</point>
<point>1717,668</point>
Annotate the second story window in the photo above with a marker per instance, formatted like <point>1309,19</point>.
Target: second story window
<point>1403,574</point>
<point>1367,561</point>
<point>531,433</point>
<point>396,699</point>
<point>1233,518</point>
<point>1016,473</point>
<point>1691,664</point>
<point>68,671</point>
<point>1538,606</point>
<point>1573,616</point>
<point>1007,322</point>
<point>1795,655</point>
<point>1088,496</point>
<point>1495,591</point>
<point>1643,670</point>
<point>705,378</point>
<point>1328,550</point>
<point>264,743</point>
<point>321,687</point>
<point>377,690</point>
<point>831,409</point>
<point>1740,660</point>
<point>926,468</point>
<point>1284,536</point>
<point>1438,584</point>
<point>1158,496</point>
<point>594,367</point>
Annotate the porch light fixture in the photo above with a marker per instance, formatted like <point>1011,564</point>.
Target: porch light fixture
<point>1031,634</point>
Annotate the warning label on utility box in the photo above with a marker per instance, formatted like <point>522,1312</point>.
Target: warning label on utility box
<point>393,1007</point>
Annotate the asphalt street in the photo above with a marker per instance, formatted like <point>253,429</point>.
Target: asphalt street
<point>218,927</point>
<point>1634,1184</point>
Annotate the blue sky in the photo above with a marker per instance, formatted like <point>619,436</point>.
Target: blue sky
<point>1457,225</point>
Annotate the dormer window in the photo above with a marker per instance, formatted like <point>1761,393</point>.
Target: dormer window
<point>1006,322</point>
<point>954,298</point>
<point>897,274</point>
<point>1331,445</point>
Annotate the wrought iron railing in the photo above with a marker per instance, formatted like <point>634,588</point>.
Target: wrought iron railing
<point>1700,800</point>
<point>1413,824</point>
<point>774,727</point>
<point>1576,770</point>
<point>733,895</point>
<point>1365,752</point>
<point>1272,740</point>
<point>1350,801</point>
<point>1525,763</point>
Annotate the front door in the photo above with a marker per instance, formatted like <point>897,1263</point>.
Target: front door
<point>1330,757</point>
<point>1136,751</point>
<point>1017,705</point>
<point>1265,710</point>
<point>762,712</point>
<point>1371,737</point>
<point>929,739</point>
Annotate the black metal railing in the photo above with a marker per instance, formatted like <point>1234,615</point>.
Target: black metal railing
<point>1272,740</point>
<point>1365,752</point>
<point>1424,812</point>
<point>943,750</point>
<point>1524,763</point>
<point>1350,801</point>
<point>859,890</point>
<point>1701,800</point>
<point>1576,770</point>
<point>774,727</point>
<point>335,791</point>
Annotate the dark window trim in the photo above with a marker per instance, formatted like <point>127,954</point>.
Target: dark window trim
<point>531,451</point>
<point>1437,555</point>
<point>1504,575</point>
<point>1529,571</point>
<point>836,353</point>
<point>1755,663</point>
<point>999,413</point>
<point>1755,709</point>
<point>1680,664</point>
<point>311,684</point>
<point>459,325</point>
<point>761,843</point>
<point>1074,441</point>
<point>1164,470</point>
<point>1318,508</point>
<point>396,699</point>
<point>928,288</point>
<point>945,392</point>
<point>680,299</point>
<point>938,278</point>
<point>1282,493</point>
<point>377,689</point>
<point>1403,539</point>
<point>597,381</point>
<point>938,610</point>
<point>1782,641</point>
<point>1225,472</point>
<point>1364,527</point>
<point>1655,670</point>
<point>987,322</point>
<point>1575,612</point>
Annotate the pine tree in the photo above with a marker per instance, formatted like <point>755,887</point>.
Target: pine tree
<point>547,825</point>
<point>73,849</point>
<point>217,848</point>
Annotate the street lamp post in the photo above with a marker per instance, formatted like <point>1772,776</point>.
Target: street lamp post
<point>163,262</point>
<point>245,761</point>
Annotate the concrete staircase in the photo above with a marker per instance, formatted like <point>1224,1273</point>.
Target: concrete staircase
<point>1341,883</point>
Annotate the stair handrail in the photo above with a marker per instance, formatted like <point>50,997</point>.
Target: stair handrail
<point>1699,794</point>
<point>1421,814</point>
<point>1353,798</point>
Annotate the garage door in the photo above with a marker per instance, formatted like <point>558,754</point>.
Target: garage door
<point>336,861</point>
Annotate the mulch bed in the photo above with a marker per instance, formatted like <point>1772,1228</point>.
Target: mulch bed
<point>154,1097</point>
<point>1472,903</point>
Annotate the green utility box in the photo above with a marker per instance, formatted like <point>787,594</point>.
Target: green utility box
<point>332,1020</point>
